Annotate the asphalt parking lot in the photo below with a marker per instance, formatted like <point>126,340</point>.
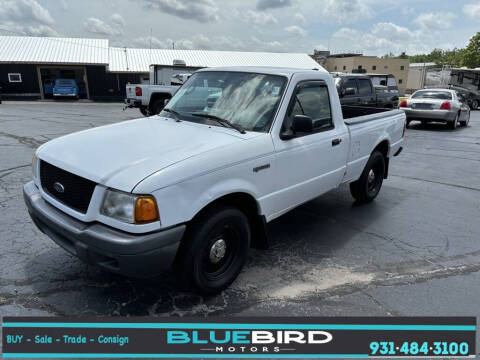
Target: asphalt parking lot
<point>413,251</point>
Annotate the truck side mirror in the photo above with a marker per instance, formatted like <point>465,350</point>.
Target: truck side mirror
<point>300,124</point>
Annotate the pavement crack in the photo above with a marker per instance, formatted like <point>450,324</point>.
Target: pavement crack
<point>25,140</point>
<point>14,168</point>
<point>436,182</point>
<point>381,305</point>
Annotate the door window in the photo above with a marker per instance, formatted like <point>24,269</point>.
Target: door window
<point>351,83</point>
<point>365,87</point>
<point>311,99</point>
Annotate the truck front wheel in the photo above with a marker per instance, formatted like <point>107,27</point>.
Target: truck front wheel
<point>367,187</point>
<point>214,250</point>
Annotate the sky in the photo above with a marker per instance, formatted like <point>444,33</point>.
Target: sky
<point>371,27</point>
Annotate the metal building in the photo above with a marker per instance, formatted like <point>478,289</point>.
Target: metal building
<point>28,64</point>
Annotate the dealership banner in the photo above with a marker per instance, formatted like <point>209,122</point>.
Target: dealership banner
<point>259,337</point>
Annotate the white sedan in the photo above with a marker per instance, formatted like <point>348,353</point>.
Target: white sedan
<point>437,105</point>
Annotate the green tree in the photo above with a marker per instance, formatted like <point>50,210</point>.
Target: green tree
<point>471,55</point>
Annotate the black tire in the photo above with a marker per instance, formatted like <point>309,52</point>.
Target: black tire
<point>367,187</point>
<point>408,122</point>
<point>157,107</point>
<point>466,121</point>
<point>453,124</point>
<point>144,111</point>
<point>199,264</point>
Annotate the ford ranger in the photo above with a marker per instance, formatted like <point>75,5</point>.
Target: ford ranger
<point>193,188</point>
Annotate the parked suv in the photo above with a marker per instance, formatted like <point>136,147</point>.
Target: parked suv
<point>358,90</point>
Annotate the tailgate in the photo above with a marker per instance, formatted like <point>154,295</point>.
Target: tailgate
<point>130,91</point>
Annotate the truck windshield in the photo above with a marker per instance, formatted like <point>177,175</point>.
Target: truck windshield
<point>247,100</point>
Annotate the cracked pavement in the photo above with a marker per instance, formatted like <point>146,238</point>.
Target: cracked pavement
<point>413,251</point>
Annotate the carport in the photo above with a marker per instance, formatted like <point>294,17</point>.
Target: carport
<point>49,73</point>
<point>28,63</point>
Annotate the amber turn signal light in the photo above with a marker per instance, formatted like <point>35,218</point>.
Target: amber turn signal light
<point>146,210</point>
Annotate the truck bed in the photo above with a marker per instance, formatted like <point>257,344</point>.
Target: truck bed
<point>366,125</point>
<point>356,111</point>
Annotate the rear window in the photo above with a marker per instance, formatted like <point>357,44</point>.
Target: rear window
<point>379,80</point>
<point>441,95</point>
<point>391,81</point>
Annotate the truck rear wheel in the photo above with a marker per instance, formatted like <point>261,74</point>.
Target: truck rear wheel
<point>214,250</point>
<point>157,107</point>
<point>367,187</point>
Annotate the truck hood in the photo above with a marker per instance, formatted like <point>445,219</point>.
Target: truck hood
<point>123,154</point>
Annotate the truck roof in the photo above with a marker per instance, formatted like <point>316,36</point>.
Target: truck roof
<point>268,70</point>
<point>340,74</point>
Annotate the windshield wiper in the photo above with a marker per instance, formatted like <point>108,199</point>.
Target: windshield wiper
<point>171,111</point>
<point>221,121</point>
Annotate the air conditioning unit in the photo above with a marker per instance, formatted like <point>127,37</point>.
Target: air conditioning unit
<point>179,62</point>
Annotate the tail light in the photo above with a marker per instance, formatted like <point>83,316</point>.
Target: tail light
<point>446,106</point>
<point>138,91</point>
<point>403,103</point>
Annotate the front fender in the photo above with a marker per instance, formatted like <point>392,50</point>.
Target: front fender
<point>180,203</point>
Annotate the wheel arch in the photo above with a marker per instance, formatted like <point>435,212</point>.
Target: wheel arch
<point>158,96</point>
<point>384,147</point>
<point>251,208</point>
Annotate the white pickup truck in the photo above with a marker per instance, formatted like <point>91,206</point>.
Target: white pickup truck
<point>164,83</point>
<point>193,187</point>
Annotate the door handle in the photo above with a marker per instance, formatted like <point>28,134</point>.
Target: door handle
<point>336,142</point>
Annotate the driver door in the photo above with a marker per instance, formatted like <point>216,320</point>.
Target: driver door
<point>309,164</point>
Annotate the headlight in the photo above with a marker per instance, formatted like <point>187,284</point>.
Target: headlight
<point>34,165</point>
<point>129,208</point>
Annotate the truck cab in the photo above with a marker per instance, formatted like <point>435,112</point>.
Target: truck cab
<point>361,90</point>
<point>355,90</point>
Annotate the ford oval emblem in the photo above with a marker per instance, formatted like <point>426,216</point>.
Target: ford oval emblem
<point>58,187</point>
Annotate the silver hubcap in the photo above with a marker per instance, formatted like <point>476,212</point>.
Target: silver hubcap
<point>371,177</point>
<point>218,251</point>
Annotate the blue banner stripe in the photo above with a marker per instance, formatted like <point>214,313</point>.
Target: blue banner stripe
<point>243,326</point>
<point>191,356</point>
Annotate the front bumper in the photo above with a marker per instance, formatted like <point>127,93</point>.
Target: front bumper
<point>65,94</point>
<point>432,115</point>
<point>137,255</point>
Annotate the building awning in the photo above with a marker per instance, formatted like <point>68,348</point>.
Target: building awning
<point>49,50</point>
